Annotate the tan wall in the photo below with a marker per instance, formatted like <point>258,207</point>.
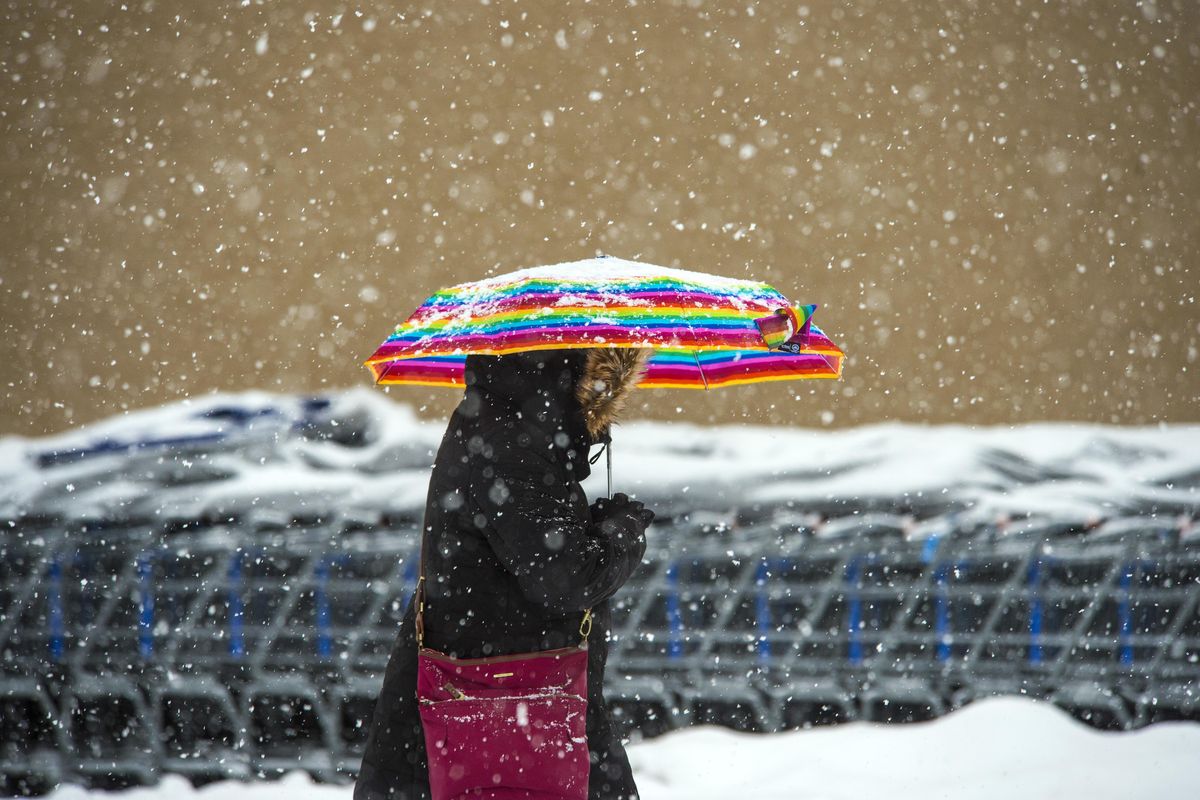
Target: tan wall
<point>996,203</point>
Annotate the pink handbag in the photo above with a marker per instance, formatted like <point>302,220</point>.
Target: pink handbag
<point>509,727</point>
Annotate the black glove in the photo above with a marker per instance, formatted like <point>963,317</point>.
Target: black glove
<point>622,520</point>
<point>619,526</point>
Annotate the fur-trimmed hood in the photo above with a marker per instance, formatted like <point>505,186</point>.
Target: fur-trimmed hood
<point>609,375</point>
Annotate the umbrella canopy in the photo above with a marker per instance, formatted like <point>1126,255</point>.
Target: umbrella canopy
<point>705,330</point>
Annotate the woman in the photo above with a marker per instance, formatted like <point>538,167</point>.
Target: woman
<point>513,553</point>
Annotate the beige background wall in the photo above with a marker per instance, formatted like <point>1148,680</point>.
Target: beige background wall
<point>996,203</point>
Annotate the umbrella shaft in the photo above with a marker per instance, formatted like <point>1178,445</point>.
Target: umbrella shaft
<point>608,458</point>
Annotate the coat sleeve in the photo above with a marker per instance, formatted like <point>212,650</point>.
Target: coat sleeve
<point>543,537</point>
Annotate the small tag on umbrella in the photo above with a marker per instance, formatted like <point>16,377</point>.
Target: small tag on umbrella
<point>783,331</point>
<point>776,329</point>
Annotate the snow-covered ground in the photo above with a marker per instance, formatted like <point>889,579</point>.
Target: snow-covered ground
<point>1007,748</point>
<point>357,452</point>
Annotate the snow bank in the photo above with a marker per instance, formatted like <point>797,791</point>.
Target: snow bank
<point>358,452</point>
<point>996,749</point>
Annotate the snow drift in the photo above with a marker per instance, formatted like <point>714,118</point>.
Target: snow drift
<point>356,452</point>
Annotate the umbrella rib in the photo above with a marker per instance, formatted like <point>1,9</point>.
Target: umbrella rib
<point>700,369</point>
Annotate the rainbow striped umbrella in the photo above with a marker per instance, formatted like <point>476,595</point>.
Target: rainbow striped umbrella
<point>706,331</point>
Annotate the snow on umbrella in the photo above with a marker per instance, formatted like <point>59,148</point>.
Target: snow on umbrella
<point>704,330</point>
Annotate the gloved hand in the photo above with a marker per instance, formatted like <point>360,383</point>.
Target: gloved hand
<point>619,526</point>
<point>622,520</point>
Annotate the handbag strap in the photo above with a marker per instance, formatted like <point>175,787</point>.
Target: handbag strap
<point>585,625</point>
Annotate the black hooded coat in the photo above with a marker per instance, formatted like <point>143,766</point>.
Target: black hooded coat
<point>513,557</point>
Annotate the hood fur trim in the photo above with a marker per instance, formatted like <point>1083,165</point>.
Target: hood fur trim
<point>609,375</point>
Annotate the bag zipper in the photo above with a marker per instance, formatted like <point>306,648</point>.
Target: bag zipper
<point>561,652</point>
<point>459,694</point>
